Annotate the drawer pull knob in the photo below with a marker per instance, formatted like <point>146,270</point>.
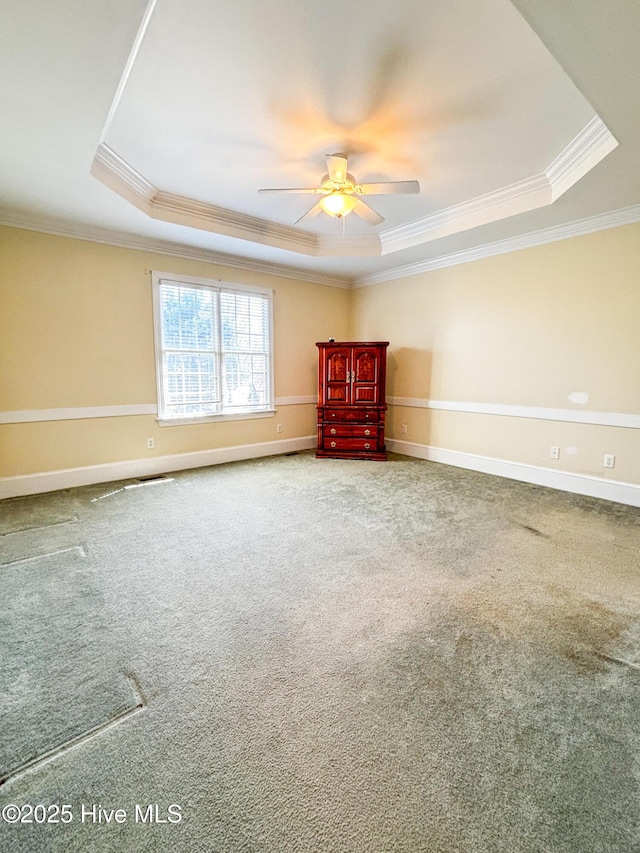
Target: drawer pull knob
<point>367,432</point>
<point>367,446</point>
<point>333,444</point>
<point>333,431</point>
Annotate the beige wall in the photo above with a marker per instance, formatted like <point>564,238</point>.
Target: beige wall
<point>524,329</point>
<point>77,331</point>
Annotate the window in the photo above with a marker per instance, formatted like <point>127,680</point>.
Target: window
<point>213,348</point>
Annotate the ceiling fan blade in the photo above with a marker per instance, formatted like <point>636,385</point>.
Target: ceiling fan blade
<point>291,190</point>
<point>313,211</point>
<point>337,168</point>
<point>389,187</point>
<point>367,213</point>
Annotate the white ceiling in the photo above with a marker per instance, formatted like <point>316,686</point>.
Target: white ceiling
<point>155,124</point>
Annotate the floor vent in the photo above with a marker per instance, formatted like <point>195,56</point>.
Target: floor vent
<point>138,484</point>
<point>149,481</point>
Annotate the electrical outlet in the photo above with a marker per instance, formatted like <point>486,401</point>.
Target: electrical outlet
<point>279,428</point>
<point>554,452</point>
<point>151,443</point>
<point>609,460</point>
<point>403,429</point>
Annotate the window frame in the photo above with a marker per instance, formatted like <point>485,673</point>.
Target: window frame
<point>218,286</point>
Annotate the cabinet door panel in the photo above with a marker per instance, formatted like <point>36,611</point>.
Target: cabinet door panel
<point>364,394</point>
<point>338,387</point>
<point>366,374</point>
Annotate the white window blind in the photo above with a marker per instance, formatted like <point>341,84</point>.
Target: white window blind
<point>213,348</point>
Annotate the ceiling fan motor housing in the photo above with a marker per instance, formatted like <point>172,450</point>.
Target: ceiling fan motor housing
<point>347,186</point>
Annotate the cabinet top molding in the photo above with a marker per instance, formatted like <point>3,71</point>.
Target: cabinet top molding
<point>352,343</point>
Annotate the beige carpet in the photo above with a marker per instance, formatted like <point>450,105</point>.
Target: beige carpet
<point>331,656</point>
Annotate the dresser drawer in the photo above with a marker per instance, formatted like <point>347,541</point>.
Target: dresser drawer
<point>354,414</point>
<point>345,443</point>
<point>351,430</point>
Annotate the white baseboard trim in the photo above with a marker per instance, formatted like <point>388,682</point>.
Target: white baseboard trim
<point>566,481</point>
<point>51,481</point>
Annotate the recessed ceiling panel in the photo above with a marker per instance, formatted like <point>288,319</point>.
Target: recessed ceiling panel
<point>462,97</point>
<point>220,99</point>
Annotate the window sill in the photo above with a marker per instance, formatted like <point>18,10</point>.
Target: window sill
<point>212,419</point>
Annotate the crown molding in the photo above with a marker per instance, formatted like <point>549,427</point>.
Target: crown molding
<point>584,152</point>
<point>107,237</point>
<point>589,225</point>
<point>579,228</point>
<point>114,172</point>
<point>359,244</point>
<point>229,223</point>
<point>588,148</point>
<point>507,201</point>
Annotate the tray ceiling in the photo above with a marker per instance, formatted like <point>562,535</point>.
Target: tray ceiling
<point>173,115</point>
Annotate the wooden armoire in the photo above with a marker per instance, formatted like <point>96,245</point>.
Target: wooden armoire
<point>351,399</point>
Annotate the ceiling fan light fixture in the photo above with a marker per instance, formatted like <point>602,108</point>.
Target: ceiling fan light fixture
<point>338,204</point>
<point>341,193</point>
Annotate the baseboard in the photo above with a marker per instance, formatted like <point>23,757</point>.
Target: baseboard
<point>581,484</point>
<point>51,481</point>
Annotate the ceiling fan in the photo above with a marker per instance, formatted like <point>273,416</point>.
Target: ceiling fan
<point>340,192</point>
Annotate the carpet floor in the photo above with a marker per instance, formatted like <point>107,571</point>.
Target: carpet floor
<point>292,655</point>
